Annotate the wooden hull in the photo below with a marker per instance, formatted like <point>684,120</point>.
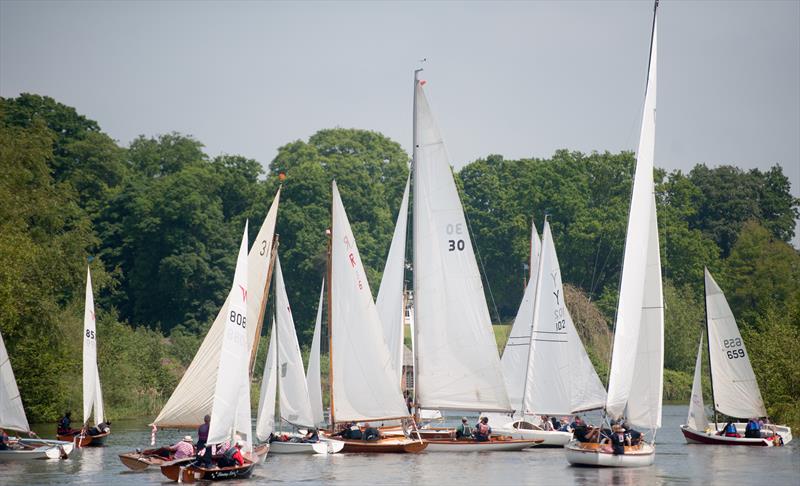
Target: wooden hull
<point>693,436</point>
<point>261,451</point>
<point>425,433</point>
<point>139,461</point>
<point>382,446</point>
<point>495,444</point>
<point>187,472</point>
<point>86,440</point>
<point>593,455</point>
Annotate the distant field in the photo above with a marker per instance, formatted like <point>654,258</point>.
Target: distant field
<point>501,332</point>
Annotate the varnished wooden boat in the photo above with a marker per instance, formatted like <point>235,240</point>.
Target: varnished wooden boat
<point>139,461</point>
<point>387,445</point>
<point>425,433</point>
<point>494,444</point>
<point>186,471</point>
<point>85,440</point>
<point>261,451</point>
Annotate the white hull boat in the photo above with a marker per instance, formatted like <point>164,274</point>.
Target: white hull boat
<point>595,455</point>
<point>321,447</point>
<point>710,436</point>
<point>454,445</point>
<point>37,449</point>
<point>528,431</point>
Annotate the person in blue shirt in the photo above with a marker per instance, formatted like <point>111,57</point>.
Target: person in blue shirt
<point>753,429</point>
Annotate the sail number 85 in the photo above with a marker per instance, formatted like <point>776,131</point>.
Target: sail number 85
<point>238,319</point>
<point>455,244</point>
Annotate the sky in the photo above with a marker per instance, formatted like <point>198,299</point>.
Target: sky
<point>520,79</point>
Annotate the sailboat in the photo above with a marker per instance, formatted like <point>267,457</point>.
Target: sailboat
<point>544,362</point>
<point>637,361</point>
<point>734,388</point>
<point>290,382</point>
<point>456,364</point>
<point>92,393</point>
<point>363,385</point>
<point>192,398</point>
<point>230,406</point>
<point>12,417</point>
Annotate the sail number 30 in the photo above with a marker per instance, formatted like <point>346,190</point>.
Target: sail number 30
<point>455,244</point>
<point>735,350</point>
<point>238,319</point>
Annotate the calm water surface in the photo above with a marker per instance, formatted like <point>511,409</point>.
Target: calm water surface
<point>676,463</point>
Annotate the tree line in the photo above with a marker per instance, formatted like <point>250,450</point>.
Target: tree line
<point>158,223</point>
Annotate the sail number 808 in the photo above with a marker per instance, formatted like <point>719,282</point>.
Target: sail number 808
<point>238,319</point>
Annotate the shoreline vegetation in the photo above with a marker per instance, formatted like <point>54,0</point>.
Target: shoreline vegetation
<point>158,222</point>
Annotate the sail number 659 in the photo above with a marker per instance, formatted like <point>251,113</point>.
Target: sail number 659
<point>455,244</point>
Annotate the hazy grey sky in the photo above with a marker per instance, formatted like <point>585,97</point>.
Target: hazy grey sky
<point>516,78</point>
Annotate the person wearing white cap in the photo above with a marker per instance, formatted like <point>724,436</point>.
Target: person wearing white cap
<point>184,448</point>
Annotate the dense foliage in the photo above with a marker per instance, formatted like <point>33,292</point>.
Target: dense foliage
<point>158,222</point>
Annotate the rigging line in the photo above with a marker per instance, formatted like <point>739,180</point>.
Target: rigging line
<point>477,250</point>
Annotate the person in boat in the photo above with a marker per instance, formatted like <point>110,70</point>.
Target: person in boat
<point>753,429</point>
<point>184,448</point>
<point>582,432</point>
<point>101,428</point>
<point>4,443</point>
<point>203,451</point>
<point>65,425</point>
<point>232,456</point>
<point>546,424</point>
<point>482,430</point>
<point>634,435</point>
<point>464,431</point>
<point>409,403</point>
<point>618,440</point>
<point>371,433</point>
<point>564,425</point>
<point>729,430</point>
<point>311,437</point>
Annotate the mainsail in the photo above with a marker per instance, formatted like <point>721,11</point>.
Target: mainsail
<point>12,413</point>
<point>313,378</point>
<point>635,381</point>
<point>295,405</point>
<point>230,410</point>
<point>457,364</point>
<point>390,294</point>
<point>697,409</point>
<point>363,383</point>
<point>92,394</point>
<point>192,398</point>
<point>736,392</point>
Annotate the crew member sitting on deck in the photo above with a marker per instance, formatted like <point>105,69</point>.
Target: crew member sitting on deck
<point>634,435</point>
<point>4,445</point>
<point>312,436</point>
<point>482,430</point>
<point>729,430</point>
<point>582,432</point>
<point>232,456</point>
<point>101,428</point>
<point>753,429</point>
<point>464,431</point>
<point>547,424</point>
<point>65,425</point>
<point>184,448</point>
<point>618,440</point>
<point>371,433</point>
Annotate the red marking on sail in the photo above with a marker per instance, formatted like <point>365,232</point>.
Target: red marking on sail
<point>92,313</point>
<point>422,82</point>
<point>244,293</point>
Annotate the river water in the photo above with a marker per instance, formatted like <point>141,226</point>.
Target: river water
<point>676,463</point>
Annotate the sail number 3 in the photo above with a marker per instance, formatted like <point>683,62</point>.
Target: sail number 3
<point>455,244</point>
<point>734,349</point>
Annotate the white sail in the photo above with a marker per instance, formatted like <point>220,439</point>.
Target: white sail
<point>390,294</point>
<point>736,392</point>
<point>294,401</point>
<point>364,385</point>
<point>556,382</point>
<point>645,402</point>
<point>515,354</point>
<point>458,366</point>
<point>313,377</point>
<point>192,398</point>
<point>265,419</point>
<point>697,409</point>
<point>92,395</point>
<point>226,418</point>
<point>634,268</point>
<point>12,413</point>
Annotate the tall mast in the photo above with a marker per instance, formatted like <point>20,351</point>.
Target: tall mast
<point>330,323</point>
<point>708,348</point>
<point>415,233</point>
<point>260,322</point>
<point>533,320</point>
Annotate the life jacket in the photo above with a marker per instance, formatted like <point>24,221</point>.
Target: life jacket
<point>730,430</point>
<point>228,454</point>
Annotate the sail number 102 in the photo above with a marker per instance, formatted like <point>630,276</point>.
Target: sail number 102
<point>455,244</point>
<point>733,347</point>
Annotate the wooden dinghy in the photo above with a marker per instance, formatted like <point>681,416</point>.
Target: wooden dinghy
<point>710,436</point>
<point>387,445</point>
<point>187,471</point>
<point>141,460</point>
<point>261,451</point>
<point>494,444</point>
<point>593,454</point>
<point>425,433</point>
<point>85,440</point>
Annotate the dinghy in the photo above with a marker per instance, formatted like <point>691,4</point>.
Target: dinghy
<point>92,393</point>
<point>456,364</point>
<point>285,367</point>
<point>545,365</point>
<point>192,398</point>
<point>230,407</point>
<point>734,389</point>
<point>143,459</point>
<point>12,417</point>
<point>637,361</point>
<point>363,382</point>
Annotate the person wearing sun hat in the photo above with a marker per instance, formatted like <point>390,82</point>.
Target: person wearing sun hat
<point>184,448</point>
